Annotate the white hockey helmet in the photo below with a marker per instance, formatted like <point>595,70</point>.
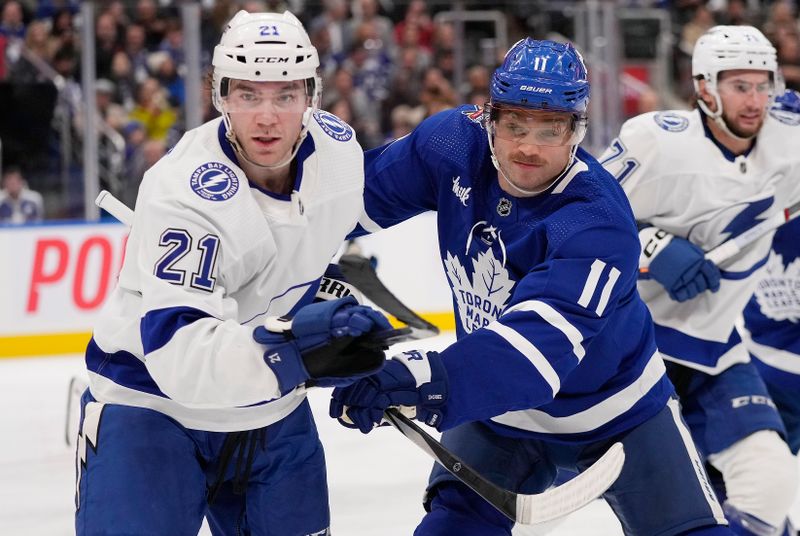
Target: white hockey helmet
<point>265,47</point>
<point>726,48</point>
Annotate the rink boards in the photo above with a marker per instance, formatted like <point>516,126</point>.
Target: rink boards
<point>56,277</point>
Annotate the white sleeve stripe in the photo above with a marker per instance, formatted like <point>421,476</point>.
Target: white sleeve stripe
<point>555,319</point>
<point>526,348</point>
<point>591,282</point>
<point>606,294</point>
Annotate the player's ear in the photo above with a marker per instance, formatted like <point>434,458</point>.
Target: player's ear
<point>705,96</point>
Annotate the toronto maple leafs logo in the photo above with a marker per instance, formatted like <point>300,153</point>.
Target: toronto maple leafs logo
<point>481,298</point>
<point>778,293</point>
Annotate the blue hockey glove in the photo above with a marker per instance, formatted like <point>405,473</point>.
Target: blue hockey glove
<point>414,379</point>
<point>681,267</point>
<point>325,344</point>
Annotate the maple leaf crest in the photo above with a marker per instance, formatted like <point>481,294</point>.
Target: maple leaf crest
<point>778,293</point>
<point>482,298</point>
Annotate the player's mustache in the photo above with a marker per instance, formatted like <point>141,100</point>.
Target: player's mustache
<point>530,160</point>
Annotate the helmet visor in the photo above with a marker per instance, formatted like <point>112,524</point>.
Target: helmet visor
<point>245,96</point>
<point>534,127</point>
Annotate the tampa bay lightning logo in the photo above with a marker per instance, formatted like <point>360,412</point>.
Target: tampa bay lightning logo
<point>214,181</point>
<point>333,126</point>
<point>748,217</point>
<point>671,122</point>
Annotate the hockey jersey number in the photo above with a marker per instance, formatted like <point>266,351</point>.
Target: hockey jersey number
<point>179,243</point>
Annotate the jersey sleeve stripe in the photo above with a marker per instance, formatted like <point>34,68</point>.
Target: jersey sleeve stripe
<point>555,319</point>
<point>529,350</point>
<point>595,415</point>
<point>158,326</point>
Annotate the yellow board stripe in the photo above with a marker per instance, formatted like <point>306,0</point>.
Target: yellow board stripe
<point>75,343</point>
<point>43,344</point>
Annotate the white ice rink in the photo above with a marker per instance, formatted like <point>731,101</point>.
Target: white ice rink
<point>376,481</point>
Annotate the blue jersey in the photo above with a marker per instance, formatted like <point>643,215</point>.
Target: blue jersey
<point>553,339</point>
<point>772,318</point>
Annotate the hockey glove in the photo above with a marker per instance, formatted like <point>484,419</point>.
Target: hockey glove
<point>415,379</point>
<point>323,345</point>
<point>680,266</point>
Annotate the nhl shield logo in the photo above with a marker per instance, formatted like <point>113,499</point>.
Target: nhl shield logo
<point>214,181</point>
<point>504,207</point>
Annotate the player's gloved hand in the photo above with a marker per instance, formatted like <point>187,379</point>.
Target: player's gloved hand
<point>681,267</point>
<point>324,344</point>
<point>416,379</point>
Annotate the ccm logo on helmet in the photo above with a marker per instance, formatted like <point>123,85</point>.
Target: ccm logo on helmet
<point>270,59</point>
<point>536,89</point>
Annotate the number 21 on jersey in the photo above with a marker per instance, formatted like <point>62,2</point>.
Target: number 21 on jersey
<point>179,243</point>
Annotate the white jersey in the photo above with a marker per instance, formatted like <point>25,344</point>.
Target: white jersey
<point>680,179</point>
<point>209,257</point>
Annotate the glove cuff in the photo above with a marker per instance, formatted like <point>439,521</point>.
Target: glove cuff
<point>430,376</point>
<point>653,241</point>
<point>283,358</point>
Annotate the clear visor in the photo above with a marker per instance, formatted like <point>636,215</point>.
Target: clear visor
<point>276,97</point>
<point>735,86</point>
<point>535,127</point>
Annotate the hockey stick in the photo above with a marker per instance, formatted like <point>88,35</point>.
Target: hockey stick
<point>359,272</point>
<point>525,509</point>
<point>521,508</point>
<point>731,247</point>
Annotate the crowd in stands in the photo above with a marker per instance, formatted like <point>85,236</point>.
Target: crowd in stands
<point>386,64</point>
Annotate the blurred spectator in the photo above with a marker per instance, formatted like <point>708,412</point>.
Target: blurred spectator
<point>173,43</point>
<point>370,63</point>
<point>155,26</point>
<point>334,20</point>
<point>143,158</point>
<point>781,21</point>
<point>111,112</point>
<point>701,21</point>
<point>789,59</point>
<point>477,83</point>
<point>11,20</point>
<point>366,12</point>
<point>65,62</point>
<point>62,32</point>
<point>437,92</point>
<point>735,14</point>
<point>136,51</point>
<point>419,21</point>
<point>33,64</point>
<point>153,111</point>
<point>363,115</point>
<point>107,43</point>
<point>122,76</point>
<point>404,119</point>
<point>18,204</point>
<point>164,69</point>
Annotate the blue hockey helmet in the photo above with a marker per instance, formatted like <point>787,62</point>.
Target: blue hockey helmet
<point>544,75</point>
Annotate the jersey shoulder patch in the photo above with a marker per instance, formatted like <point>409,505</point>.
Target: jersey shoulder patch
<point>214,181</point>
<point>333,126</point>
<point>671,121</point>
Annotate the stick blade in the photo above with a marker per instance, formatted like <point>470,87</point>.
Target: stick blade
<point>575,494</point>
